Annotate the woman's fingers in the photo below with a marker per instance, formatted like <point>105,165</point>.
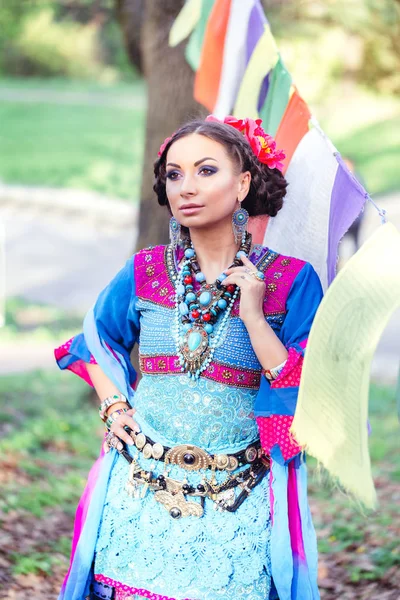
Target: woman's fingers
<point>247,266</point>
<point>120,432</point>
<point>122,421</point>
<point>248,263</point>
<point>237,279</point>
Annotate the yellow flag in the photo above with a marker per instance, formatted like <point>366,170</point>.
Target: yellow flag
<point>262,60</point>
<point>332,409</point>
<point>185,22</point>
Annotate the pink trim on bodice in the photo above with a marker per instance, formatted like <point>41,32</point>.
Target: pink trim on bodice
<point>151,277</point>
<point>154,282</point>
<point>223,373</point>
<point>124,592</point>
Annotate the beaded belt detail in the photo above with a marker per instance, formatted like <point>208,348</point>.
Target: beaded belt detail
<point>193,458</point>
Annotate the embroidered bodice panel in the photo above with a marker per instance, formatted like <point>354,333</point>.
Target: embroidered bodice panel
<point>234,363</point>
<point>174,409</point>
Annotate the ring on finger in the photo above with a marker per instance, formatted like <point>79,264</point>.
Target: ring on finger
<point>259,275</point>
<point>112,440</point>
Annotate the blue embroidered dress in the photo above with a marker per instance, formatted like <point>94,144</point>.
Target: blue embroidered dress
<point>135,545</point>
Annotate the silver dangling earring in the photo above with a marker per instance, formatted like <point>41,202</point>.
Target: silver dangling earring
<point>174,232</point>
<point>240,218</point>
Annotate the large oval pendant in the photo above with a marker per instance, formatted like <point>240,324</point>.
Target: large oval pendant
<point>195,348</point>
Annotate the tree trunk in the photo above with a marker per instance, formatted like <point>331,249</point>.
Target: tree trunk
<point>170,103</point>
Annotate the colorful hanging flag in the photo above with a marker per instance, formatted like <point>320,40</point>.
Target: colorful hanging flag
<point>239,67</point>
<point>331,419</point>
<point>206,84</point>
<point>240,71</point>
<point>185,22</point>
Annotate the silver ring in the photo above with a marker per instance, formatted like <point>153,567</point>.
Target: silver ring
<point>112,440</point>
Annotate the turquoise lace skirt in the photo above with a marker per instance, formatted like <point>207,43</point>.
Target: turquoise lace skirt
<point>219,556</point>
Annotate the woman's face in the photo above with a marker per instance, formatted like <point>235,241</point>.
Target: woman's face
<point>202,186</point>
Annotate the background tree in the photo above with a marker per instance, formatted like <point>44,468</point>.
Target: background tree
<point>170,102</point>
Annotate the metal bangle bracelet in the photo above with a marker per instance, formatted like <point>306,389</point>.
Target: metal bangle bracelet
<point>111,419</point>
<point>109,401</point>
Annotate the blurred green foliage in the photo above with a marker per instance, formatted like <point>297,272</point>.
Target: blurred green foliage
<point>355,40</point>
<point>73,39</point>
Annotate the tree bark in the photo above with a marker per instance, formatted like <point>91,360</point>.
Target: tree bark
<point>170,103</point>
<point>130,14</point>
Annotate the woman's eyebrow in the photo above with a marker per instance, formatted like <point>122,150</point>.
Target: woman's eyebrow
<point>195,164</point>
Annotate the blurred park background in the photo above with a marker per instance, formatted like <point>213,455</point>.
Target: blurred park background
<point>88,90</point>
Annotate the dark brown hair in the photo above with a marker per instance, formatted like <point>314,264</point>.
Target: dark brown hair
<point>267,187</point>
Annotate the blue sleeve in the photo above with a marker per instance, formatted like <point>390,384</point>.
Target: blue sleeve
<point>116,320</point>
<point>302,303</point>
<point>115,311</point>
<point>280,396</point>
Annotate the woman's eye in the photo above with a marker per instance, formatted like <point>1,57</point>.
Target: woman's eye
<point>171,175</point>
<point>208,169</point>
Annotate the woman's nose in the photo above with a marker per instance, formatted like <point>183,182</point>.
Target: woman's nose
<point>188,186</point>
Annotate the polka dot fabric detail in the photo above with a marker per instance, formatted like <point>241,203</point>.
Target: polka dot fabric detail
<point>124,592</point>
<point>291,373</point>
<point>275,431</point>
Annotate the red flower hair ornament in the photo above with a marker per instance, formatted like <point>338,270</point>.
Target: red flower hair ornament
<point>262,144</point>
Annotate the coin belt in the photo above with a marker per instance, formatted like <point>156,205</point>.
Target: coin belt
<point>193,458</point>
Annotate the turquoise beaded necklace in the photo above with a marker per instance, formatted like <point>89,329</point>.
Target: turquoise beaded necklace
<point>201,317</point>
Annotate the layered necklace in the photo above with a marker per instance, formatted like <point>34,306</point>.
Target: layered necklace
<point>201,316</point>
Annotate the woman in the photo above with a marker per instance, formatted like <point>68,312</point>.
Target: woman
<point>203,493</point>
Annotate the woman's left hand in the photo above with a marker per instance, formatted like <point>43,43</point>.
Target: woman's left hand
<point>252,290</point>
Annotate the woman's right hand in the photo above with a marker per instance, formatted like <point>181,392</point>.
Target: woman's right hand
<point>117,428</point>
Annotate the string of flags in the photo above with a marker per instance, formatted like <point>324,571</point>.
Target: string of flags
<point>239,71</point>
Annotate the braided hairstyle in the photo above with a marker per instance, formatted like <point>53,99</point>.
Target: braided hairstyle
<point>267,187</point>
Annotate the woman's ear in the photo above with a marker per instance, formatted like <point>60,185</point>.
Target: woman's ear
<point>244,185</point>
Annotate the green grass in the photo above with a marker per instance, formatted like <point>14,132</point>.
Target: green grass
<point>100,148</point>
<point>95,147</point>
<point>24,84</point>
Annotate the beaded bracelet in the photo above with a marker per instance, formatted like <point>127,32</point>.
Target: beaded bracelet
<point>109,401</point>
<point>273,373</point>
<point>111,419</point>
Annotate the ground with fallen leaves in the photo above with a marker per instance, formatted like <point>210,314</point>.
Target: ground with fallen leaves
<point>50,434</point>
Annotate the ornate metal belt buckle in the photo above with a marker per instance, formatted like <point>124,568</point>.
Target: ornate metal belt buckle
<point>174,501</point>
<point>189,457</point>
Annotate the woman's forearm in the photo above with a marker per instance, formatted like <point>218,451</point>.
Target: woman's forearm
<point>269,349</point>
<point>103,386</point>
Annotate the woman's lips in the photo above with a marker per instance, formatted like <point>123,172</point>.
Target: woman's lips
<point>190,210</point>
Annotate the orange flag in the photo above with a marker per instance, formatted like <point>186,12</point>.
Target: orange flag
<point>208,75</point>
<point>293,127</point>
